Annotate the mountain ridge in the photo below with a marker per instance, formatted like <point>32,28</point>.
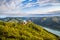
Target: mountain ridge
<point>21,31</point>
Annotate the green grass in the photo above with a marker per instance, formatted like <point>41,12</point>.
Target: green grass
<point>20,31</point>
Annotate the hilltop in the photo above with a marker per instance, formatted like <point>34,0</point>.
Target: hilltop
<point>49,22</point>
<point>20,31</point>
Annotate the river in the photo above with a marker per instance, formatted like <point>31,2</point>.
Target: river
<point>52,31</point>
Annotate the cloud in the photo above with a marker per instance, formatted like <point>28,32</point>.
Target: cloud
<point>43,10</point>
<point>11,4</point>
<point>18,6</point>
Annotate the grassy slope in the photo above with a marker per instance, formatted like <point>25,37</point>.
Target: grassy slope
<point>19,31</point>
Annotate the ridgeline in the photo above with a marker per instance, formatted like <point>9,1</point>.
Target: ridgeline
<point>24,31</point>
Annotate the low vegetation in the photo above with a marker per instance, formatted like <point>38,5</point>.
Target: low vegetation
<point>20,31</point>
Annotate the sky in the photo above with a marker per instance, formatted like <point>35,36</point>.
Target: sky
<point>29,6</point>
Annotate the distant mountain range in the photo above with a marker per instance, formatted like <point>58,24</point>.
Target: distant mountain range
<point>50,22</point>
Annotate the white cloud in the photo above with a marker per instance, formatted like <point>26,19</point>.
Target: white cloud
<point>9,5</point>
<point>43,10</point>
<point>15,6</point>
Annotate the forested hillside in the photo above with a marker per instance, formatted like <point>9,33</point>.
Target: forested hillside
<point>13,30</point>
<point>49,22</point>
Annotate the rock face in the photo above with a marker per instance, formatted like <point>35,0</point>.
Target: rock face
<point>19,31</point>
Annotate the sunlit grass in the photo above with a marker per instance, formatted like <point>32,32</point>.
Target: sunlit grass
<point>20,31</point>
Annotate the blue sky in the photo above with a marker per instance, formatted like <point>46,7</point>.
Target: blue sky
<point>29,6</point>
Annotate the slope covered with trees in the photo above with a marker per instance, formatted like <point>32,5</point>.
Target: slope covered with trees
<point>21,31</point>
<point>49,22</point>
